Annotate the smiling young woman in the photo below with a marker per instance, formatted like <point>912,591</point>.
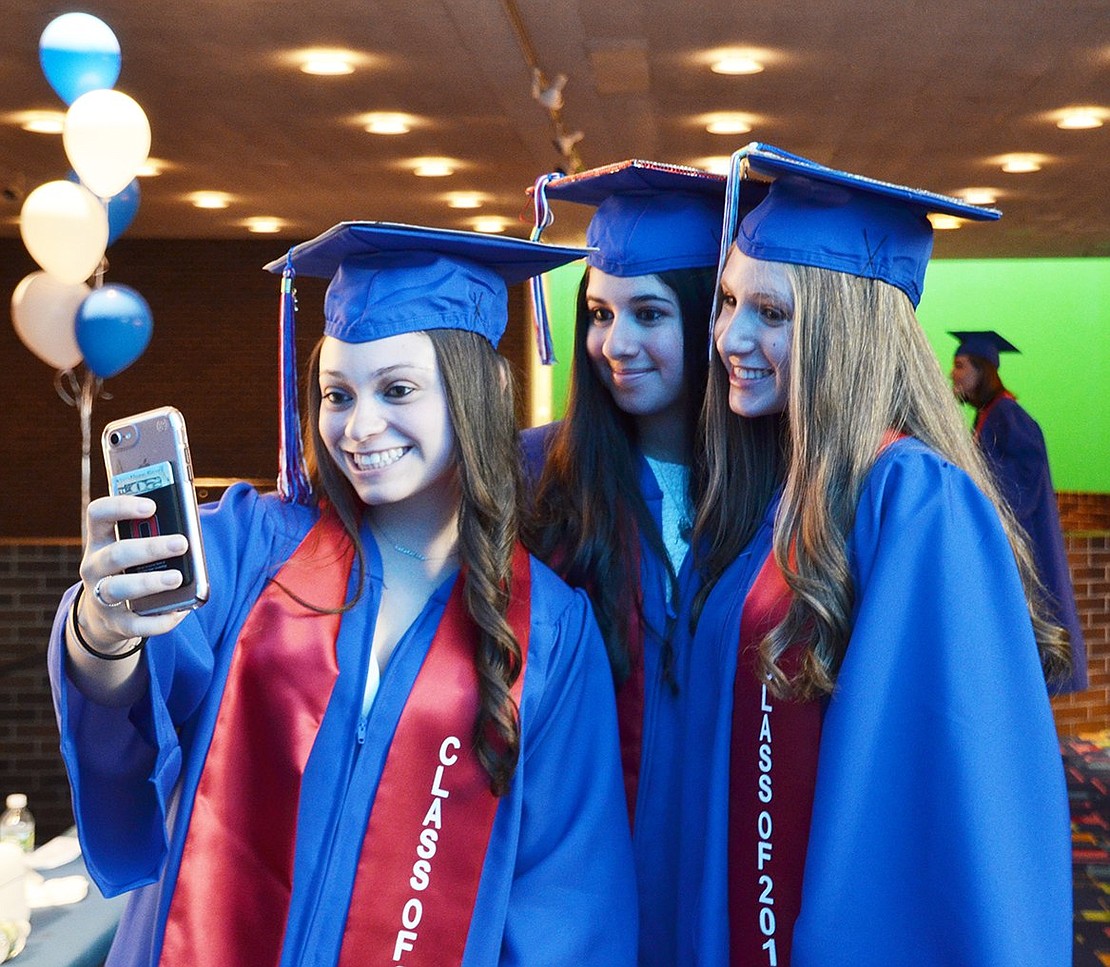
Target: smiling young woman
<point>872,775</point>
<point>390,732</point>
<point>753,335</point>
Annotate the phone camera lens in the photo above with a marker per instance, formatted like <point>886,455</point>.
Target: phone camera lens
<point>114,439</point>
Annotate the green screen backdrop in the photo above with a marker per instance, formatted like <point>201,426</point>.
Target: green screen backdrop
<point>1056,311</point>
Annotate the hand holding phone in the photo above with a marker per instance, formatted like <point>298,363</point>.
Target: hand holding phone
<point>147,455</point>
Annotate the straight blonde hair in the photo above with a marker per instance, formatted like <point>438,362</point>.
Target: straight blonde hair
<point>861,366</point>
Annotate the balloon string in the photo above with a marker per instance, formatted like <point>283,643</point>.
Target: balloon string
<point>89,389</point>
<point>100,270</point>
<point>81,395</point>
<point>66,386</point>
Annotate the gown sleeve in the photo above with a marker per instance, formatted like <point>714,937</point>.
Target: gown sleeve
<point>124,763</point>
<point>573,895</point>
<point>940,833</point>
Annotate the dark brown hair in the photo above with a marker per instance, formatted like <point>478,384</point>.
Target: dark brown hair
<point>588,513</point>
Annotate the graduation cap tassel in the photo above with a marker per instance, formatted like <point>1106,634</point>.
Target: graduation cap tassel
<point>728,231</point>
<point>292,480</point>
<point>543,217</point>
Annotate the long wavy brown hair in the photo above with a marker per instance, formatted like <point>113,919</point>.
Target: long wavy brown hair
<point>860,366</point>
<point>587,514</point>
<point>479,391</point>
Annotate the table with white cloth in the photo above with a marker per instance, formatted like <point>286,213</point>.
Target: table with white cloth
<point>74,934</point>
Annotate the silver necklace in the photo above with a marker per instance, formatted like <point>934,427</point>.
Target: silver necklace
<point>409,552</point>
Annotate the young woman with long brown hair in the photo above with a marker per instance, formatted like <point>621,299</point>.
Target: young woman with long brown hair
<point>875,779</point>
<point>390,734</point>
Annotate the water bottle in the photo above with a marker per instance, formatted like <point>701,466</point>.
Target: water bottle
<point>17,825</point>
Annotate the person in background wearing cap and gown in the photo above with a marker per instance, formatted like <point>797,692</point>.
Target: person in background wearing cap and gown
<point>614,482</point>
<point>1014,447</point>
<point>390,735</point>
<point>885,785</point>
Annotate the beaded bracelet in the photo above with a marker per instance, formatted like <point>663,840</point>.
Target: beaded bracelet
<point>103,655</point>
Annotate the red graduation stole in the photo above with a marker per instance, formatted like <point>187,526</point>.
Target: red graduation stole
<point>432,816</point>
<point>981,416</point>
<point>251,856</point>
<point>237,842</point>
<point>769,809</point>
<point>630,693</point>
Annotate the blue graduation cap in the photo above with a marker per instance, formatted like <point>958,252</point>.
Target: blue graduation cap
<point>388,279</point>
<point>814,215</point>
<point>984,343</point>
<point>651,217</point>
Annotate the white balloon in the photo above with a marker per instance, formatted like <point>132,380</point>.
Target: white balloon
<point>107,139</point>
<point>65,228</point>
<point>44,311</point>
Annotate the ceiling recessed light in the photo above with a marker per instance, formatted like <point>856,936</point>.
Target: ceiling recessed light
<point>326,62</point>
<point>944,222</point>
<point>736,60</point>
<point>978,196</point>
<point>263,224</point>
<point>465,199</point>
<point>728,123</point>
<point>385,122</point>
<point>38,122</point>
<point>210,199</point>
<point>736,64</point>
<point>491,225</point>
<point>433,167</point>
<point>1081,118</point>
<point>1020,163</point>
<point>327,67</point>
<point>152,167</point>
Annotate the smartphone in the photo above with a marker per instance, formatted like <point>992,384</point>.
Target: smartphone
<point>148,455</point>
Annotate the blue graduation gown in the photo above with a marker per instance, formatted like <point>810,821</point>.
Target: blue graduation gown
<point>940,829</point>
<point>658,813</point>
<point>556,885</point>
<point>1014,447</point>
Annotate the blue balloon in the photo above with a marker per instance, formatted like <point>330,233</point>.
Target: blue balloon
<point>121,210</point>
<point>122,207</point>
<point>79,53</point>
<point>113,328</point>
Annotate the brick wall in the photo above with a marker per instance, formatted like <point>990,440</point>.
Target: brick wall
<point>1084,512</point>
<point>1086,522</point>
<point>33,576</point>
